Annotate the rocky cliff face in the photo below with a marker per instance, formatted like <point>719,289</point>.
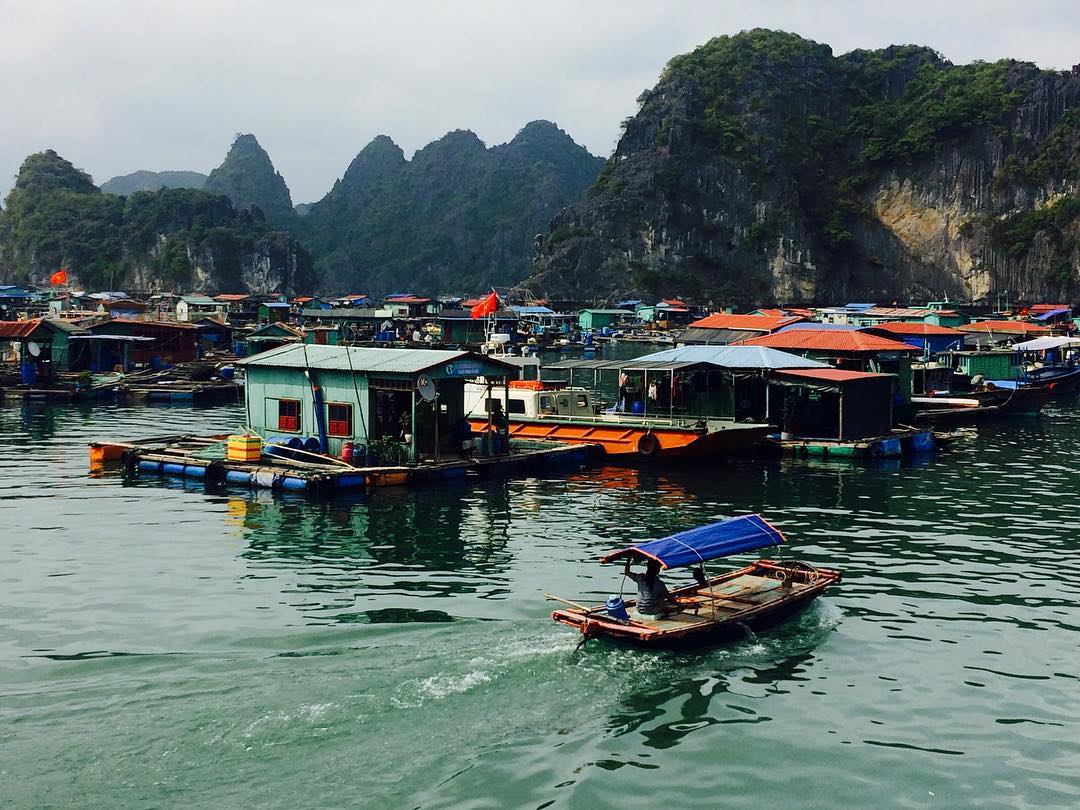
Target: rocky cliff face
<point>167,240</point>
<point>762,168</point>
<point>457,217</point>
<point>248,178</point>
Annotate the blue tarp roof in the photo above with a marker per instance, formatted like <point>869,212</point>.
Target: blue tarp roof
<point>722,539</point>
<point>1051,314</point>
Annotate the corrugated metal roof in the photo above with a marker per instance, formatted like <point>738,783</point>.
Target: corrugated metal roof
<point>198,300</point>
<point>832,374</point>
<point>715,337</point>
<point>756,323</point>
<point>1003,326</point>
<point>22,329</point>
<point>755,357</point>
<point>357,358</point>
<point>18,329</point>
<point>914,329</point>
<point>828,341</point>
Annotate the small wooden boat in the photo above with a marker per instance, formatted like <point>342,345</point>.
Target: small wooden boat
<point>755,596</point>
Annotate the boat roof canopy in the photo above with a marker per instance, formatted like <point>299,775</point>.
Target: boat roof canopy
<point>1044,343</point>
<point>712,541</point>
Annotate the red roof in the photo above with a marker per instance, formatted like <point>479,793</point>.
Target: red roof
<point>828,341</point>
<point>1039,309</point>
<point>914,329</point>
<point>751,323</point>
<point>673,302</point>
<point>1020,327</point>
<point>772,313</point>
<point>231,297</point>
<point>303,299</point>
<point>169,324</point>
<point>18,329</point>
<point>830,374</point>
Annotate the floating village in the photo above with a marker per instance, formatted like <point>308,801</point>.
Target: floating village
<point>352,394</point>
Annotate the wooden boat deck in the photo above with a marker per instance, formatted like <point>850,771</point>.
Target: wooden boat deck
<point>764,589</point>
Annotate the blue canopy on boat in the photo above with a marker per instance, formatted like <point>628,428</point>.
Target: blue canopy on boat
<point>722,539</point>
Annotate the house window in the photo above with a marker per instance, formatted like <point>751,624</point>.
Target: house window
<point>288,415</point>
<point>339,419</point>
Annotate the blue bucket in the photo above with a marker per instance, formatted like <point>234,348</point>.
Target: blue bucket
<point>616,609</point>
<point>227,372</point>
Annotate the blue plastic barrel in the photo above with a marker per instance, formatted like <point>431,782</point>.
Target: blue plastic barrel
<point>312,445</point>
<point>155,363</point>
<point>638,407</point>
<point>227,372</point>
<point>29,373</point>
<point>296,443</point>
<point>616,608</point>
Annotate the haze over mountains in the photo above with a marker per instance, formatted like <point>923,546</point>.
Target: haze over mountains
<point>762,168</point>
<point>459,216</point>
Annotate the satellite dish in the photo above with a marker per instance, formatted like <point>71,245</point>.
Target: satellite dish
<point>426,388</point>
<point>33,348</point>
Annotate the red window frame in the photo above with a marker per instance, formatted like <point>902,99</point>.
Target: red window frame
<point>339,426</point>
<point>288,418</point>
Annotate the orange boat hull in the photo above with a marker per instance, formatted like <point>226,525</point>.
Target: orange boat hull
<point>631,442</point>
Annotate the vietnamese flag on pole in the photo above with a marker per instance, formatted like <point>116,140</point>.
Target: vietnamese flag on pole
<point>59,277</point>
<point>485,307</point>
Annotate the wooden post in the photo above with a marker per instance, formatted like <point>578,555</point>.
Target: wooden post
<point>505,429</point>
<point>840,397</point>
<point>413,454</point>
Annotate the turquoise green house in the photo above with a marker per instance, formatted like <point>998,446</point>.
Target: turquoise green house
<point>375,398</point>
<point>992,365</point>
<point>590,319</point>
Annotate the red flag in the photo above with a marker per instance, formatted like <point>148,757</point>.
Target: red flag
<point>59,277</point>
<point>486,307</point>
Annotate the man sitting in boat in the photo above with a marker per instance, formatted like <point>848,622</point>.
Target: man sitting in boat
<point>652,593</point>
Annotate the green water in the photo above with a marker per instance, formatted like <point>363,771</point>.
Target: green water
<point>165,646</point>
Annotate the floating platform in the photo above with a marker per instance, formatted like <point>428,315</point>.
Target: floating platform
<point>218,391</point>
<point>201,458</point>
<point>897,443</point>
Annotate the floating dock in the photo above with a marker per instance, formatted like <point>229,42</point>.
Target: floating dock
<point>897,443</point>
<point>201,458</point>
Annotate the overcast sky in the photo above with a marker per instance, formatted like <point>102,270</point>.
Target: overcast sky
<point>120,85</point>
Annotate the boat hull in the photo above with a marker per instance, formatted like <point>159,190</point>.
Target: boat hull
<point>630,442</point>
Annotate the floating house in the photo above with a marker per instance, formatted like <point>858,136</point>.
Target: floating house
<point>171,342</point>
<point>459,327</point>
<point>42,343</point>
<point>850,349</point>
<point>818,409</point>
<point>592,319</point>
<point>409,403</point>
<point>191,307</point>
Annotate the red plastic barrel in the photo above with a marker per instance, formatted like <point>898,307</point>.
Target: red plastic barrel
<point>346,451</point>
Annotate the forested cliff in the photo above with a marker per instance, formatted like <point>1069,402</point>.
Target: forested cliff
<point>171,239</point>
<point>763,168</point>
